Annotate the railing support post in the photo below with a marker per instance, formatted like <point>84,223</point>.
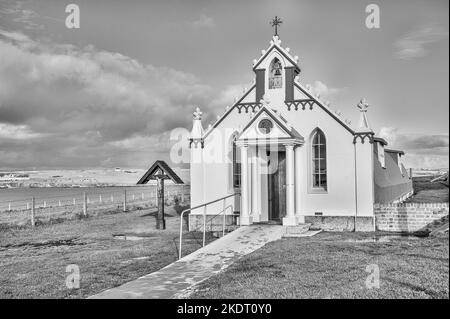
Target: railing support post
<point>181,235</point>
<point>204,225</point>
<point>224,215</point>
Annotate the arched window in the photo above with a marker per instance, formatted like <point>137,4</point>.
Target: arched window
<point>275,74</point>
<point>319,160</point>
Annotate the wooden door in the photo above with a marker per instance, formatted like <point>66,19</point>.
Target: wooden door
<point>277,189</point>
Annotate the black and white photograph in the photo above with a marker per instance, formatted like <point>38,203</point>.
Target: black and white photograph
<point>226,155</point>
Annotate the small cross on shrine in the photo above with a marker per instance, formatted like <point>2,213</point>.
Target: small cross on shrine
<point>275,23</point>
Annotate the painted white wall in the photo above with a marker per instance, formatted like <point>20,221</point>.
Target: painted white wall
<point>217,168</point>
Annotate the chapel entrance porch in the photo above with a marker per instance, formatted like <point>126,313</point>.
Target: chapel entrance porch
<point>268,183</point>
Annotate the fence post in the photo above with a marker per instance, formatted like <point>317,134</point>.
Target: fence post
<point>125,200</point>
<point>84,204</point>
<point>32,211</point>
<point>100,198</point>
<point>74,202</point>
<point>9,206</point>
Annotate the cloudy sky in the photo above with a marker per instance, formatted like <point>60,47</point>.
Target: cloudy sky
<point>109,93</point>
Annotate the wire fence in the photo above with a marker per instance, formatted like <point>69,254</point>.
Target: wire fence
<point>79,203</point>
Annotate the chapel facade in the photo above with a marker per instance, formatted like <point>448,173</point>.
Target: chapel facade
<point>290,157</point>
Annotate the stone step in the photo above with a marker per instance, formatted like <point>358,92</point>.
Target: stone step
<point>298,229</point>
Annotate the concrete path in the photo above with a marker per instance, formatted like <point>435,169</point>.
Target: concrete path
<point>177,279</point>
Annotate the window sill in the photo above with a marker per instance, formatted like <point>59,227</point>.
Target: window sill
<point>317,191</point>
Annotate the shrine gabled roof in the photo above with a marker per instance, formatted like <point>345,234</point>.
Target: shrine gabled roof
<point>160,165</point>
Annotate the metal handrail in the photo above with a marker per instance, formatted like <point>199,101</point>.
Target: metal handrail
<point>204,217</point>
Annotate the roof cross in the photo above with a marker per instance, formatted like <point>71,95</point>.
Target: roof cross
<point>275,23</point>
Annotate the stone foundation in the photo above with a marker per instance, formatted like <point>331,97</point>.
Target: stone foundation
<point>341,223</point>
<point>408,217</point>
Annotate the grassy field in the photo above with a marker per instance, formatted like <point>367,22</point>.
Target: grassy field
<point>426,192</point>
<point>33,262</point>
<point>333,265</point>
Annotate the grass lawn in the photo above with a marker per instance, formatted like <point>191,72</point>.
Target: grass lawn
<point>426,192</point>
<point>333,265</point>
<point>33,262</point>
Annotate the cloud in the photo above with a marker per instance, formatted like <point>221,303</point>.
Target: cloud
<point>204,21</point>
<point>413,44</point>
<point>16,132</point>
<point>17,12</point>
<point>422,150</point>
<point>324,91</point>
<point>65,106</point>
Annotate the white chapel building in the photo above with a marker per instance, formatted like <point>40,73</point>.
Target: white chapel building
<point>290,158</point>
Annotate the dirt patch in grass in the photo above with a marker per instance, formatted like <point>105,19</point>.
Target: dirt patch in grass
<point>33,261</point>
<point>334,265</point>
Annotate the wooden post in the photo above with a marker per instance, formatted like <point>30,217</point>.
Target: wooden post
<point>32,211</point>
<point>125,200</point>
<point>160,221</point>
<point>85,204</point>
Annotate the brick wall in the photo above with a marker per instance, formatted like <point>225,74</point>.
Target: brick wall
<point>407,217</point>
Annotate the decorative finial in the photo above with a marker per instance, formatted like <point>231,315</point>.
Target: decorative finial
<point>364,122</point>
<point>275,23</point>
<point>363,105</point>
<point>197,114</point>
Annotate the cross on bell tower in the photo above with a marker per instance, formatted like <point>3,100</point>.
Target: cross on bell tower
<point>275,23</point>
